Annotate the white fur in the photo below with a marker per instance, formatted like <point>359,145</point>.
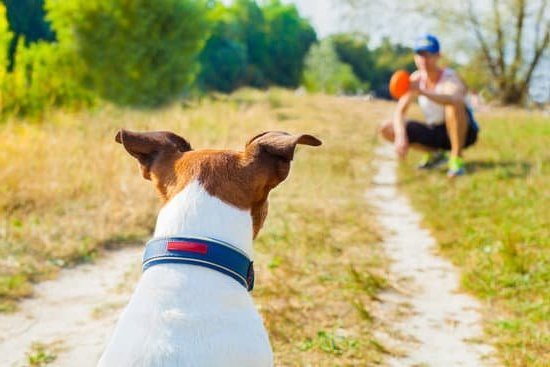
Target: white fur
<point>194,212</point>
<point>186,315</point>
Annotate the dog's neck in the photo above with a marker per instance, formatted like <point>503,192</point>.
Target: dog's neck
<point>194,212</point>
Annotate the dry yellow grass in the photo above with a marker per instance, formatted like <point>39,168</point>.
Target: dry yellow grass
<point>68,190</point>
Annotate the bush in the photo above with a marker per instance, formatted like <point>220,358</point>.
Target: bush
<point>140,52</point>
<point>40,77</point>
<point>324,72</point>
<point>224,58</point>
<point>289,39</point>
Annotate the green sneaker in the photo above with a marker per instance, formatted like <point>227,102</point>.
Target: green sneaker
<point>433,160</point>
<point>457,167</point>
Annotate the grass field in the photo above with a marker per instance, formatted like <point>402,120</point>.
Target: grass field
<point>68,191</point>
<point>495,224</point>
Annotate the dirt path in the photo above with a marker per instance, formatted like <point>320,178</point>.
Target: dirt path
<point>432,323</point>
<point>72,315</point>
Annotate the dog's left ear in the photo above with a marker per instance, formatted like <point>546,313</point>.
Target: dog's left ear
<point>279,147</point>
<point>149,146</point>
<point>279,143</point>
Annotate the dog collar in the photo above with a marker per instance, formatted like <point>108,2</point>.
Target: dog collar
<point>206,252</point>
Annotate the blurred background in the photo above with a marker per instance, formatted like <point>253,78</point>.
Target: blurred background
<point>145,54</point>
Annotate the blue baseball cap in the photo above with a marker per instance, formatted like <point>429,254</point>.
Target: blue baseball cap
<point>428,43</point>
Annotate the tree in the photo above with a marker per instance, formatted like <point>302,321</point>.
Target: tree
<point>289,39</point>
<point>388,58</point>
<point>255,46</point>
<point>27,19</point>
<point>253,36</point>
<point>353,49</point>
<point>224,58</point>
<point>324,72</point>
<point>140,52</point>
<point>503,47</point>
<point>5,39</point>
<point>40,76</point>
<point>512,36</point>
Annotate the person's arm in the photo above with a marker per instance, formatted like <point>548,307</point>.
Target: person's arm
<point>445,99</point>
<point>401,141</point>
<point>454,91</point>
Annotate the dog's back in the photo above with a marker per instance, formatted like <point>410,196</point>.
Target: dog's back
<point>184,315</point>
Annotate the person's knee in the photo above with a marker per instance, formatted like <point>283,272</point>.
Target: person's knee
<point>455,112</point>
<point>386,130</point>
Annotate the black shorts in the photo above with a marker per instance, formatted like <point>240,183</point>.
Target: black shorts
<point>436,136</point>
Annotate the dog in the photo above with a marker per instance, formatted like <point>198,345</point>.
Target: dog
<point>191,306</point>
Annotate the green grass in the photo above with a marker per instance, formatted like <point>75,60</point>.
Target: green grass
<point>495,224</point>
<point>41,355</point>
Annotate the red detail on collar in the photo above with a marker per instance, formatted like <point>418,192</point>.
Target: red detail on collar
<point>197,247</point>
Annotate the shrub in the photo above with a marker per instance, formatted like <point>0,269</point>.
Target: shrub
<point>140,52</point>
<point>324,72</point>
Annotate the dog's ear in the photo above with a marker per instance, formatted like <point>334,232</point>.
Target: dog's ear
<point>147,147</point>
<point>278,147</point>
<point>279,143</point>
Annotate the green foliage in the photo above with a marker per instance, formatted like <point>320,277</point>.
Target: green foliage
<point>351,66</point>
<point>288,42</point>
<point>41,76</point>
<point>144,54</point>
<point>27,20</point>
<point>255,46</point>
<point>478,79</point>
<point>253,35</point>
<point>389,58</point>
<point>224,58</point>
<point>330,343</point>
<point>223,64</point>
<point>325,72</point>
<point>40,355</point>
<point>353,50</point>
<point>5,39</point>
<point>141,52</point>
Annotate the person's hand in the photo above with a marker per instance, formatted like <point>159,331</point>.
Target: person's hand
<point>401,145</point>
<point>414,88</point>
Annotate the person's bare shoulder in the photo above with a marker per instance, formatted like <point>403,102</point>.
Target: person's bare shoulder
<point>453,84</point>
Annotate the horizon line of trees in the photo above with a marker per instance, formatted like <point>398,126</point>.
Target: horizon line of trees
<point>142,54</point>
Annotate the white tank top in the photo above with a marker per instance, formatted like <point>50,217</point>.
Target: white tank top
<point>435,112</point>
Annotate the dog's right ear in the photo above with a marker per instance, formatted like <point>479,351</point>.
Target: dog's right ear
<point>148,147</point>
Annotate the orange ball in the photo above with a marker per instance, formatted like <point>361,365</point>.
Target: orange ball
<point>399,83</point>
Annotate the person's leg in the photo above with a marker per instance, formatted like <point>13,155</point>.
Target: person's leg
<point>456,122</point>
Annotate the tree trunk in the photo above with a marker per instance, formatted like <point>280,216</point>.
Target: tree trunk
<point>512,95</point>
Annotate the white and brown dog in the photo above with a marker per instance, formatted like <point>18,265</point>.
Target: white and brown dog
<point>191,306</point>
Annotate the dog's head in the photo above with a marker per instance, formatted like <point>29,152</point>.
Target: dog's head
<point>243,179</point>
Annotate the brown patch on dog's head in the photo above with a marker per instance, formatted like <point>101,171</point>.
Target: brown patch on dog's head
<point>243,179</point>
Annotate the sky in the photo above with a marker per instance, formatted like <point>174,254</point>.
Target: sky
<point>330,16</point>
<point>321,13</point>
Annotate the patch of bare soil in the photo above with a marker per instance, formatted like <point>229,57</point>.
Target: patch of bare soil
<point>73,315</point>
<point>430,321</point>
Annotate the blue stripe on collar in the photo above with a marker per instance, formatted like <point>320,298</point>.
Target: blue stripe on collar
<point>206,252</point>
